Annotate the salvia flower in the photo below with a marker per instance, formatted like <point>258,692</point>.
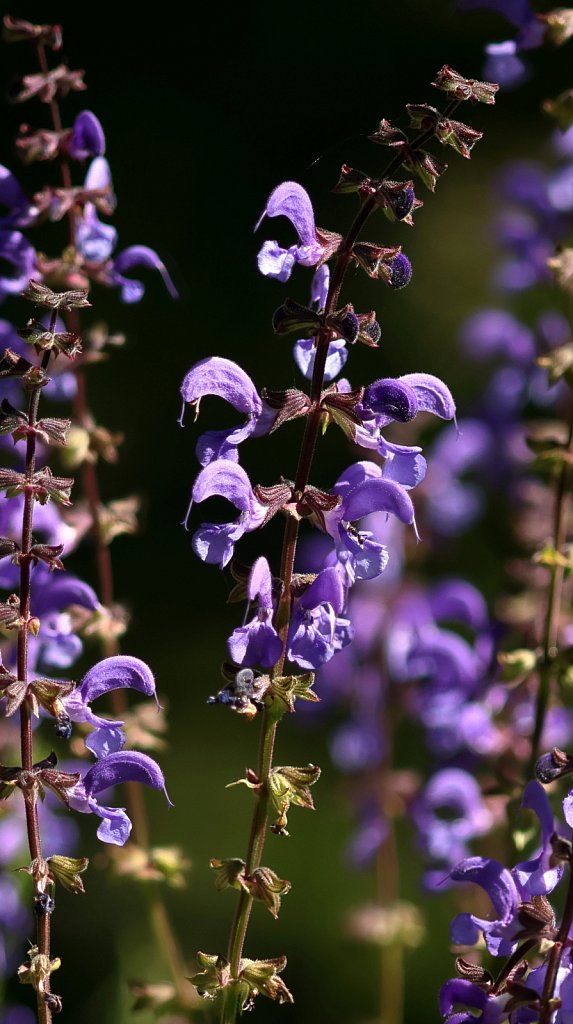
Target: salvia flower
<point>498,883</point>
<point>224,379</point>
<point>215,542</point>
<point>118,672</point>
<point>316,629</point>
<point>257,642</point>
<point>364,490</point>
<point>292,201</point>
<point>87,138</point>
<point>96,241</point>
<point>122,766</point>
<point>539,875</point>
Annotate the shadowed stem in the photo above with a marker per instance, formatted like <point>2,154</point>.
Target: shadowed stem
<point>26,734</point>
<point>551,625</point>
<point>312,426</point>
<point>556,954</point>
<point>164,935</point>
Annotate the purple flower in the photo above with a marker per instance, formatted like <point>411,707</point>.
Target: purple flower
<point>498,883</point>
<point>257,643</point>
<point>401,399</point>
<point>458,991</point>
<point>503,65</point>
<point>20,213</point>
<point>537,876</point>
<point>225,379</point>
<point>364,490</point>
<point>316,631</point>
<point>214,542</point>
<point>21,255</point>
<point>95,241</point>
<point>123,766</point>
<point>290,200</point>
<point>87,138</point>
<point>114,673</point>
<point>448,814</point>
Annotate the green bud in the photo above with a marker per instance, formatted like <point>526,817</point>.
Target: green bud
<point>216,975</point>
<point>67,871</point>
<point>265,885</point>
<point>291,786</point>
<point>288,688</point>
<point>229,874</point>
<point>262,976</point>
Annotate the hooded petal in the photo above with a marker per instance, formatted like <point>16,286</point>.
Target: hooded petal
<point>227,480</point>
<point>498,883</point>
<point>260,583</point>
<point>379,496</point>
<point>87,138</point>
<point>319,286</point>
<point>292,201</point>
<point>224,378</point>
<point>117,673</point>
<point>16,251</point>
<point>124,766</point>
<point>537,876</point>
<point>432,394</point>
<point>326,588</point>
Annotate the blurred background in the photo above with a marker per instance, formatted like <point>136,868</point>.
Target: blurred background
<point>204,112</point>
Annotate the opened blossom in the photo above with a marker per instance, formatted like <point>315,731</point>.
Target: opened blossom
<point>215,542</point>
<point>96,241</point>
<point>224,379</point>
<point>290,200</point>
<point>116,768</point>
<point>115,673</point>
<point>363,490</point>
<point>317,629</point>
<point>257,642</point>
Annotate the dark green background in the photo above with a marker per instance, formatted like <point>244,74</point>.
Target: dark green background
<point>205,112</point>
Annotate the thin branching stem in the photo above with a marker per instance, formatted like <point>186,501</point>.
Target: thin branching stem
<point>26,733</point>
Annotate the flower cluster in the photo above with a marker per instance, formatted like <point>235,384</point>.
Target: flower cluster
<point>300,618</point>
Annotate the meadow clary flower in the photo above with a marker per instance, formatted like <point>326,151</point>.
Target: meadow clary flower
<point>257,642</point>
<point>224,379</point>
<point>401,399</point>
<point>87,138</point>
<point>215,542</point>
<point>115,673</point>
<point>503,65</point>
<point>292,201</point>
<point>96,241</point>
<point>498,883</point>
<point>363,490</point>
<point>538,876</point>
<point>123,766</point>
<point>316,630</point>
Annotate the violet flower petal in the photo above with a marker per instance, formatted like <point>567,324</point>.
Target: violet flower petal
<point>139,256</point>
<point>536,876</point>
<point>20,212</point>
<point>225,379</point>
<point>87,138</point>
<point>21,255</point>
<point>291,200</point>
<point>501,889</point>
<point>432,394</point>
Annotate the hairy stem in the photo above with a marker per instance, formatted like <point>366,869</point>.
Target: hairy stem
<point>26,734</point>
